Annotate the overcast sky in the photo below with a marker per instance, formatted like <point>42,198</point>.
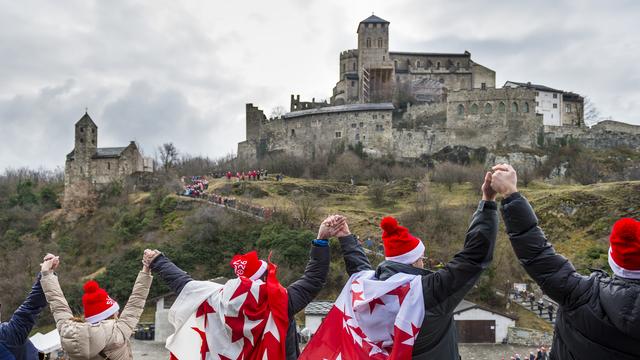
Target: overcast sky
<point>182,71</point>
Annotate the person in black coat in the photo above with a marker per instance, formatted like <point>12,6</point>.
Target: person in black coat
<point>598,316</point>
<point>443,289</point>
<point>14,334</point>
<point>300,293</point>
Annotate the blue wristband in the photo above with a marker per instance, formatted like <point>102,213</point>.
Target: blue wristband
<point>320,242</point>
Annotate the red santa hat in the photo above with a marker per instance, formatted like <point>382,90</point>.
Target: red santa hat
<point>97,304</point>
<point>248,265</point>
<point>624,250</point>
<point>399,245</point>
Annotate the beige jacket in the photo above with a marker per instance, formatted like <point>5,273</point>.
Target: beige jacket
<point>82,340</point>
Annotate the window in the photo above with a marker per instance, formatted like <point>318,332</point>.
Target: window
<point>354,125</point>
<point>555,106</point>
<point>438,65</point>
<point>460,109</point>
<point>382,116</point>
<point>502,108</point>
<point>418,63</point>
<point>514,107</point>
<point>379,127</point>
<point>375,117</point>
<point>458,64</point>
<point>81,141</point>
<point>483,86</point>
<point>338,134</point>
<point>357,137</point>
<point>488,109</point>
<point>354,66</point>
<point>395,64</point>
<point>537,103</point>
<point>368,42</point>
<point>364,137</point>
<point>379,42</point>
<point>555,96</point>
<point>441,80</point>
<point>526,107</point>
<point>353,83</point>
<point>537,93</point>
<point>361,124</point>
<point>344,67</point>
<point>383,58</point>
<point>108,166</point>
<point>567,108</point>
<point>81,129</point>
<point>293,132</point>
<point>474,109</point>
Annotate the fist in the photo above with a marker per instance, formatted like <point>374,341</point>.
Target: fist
<point>488,193</point>
<point>148,256</point>
<point>341,226</point>
<point>504,179</point>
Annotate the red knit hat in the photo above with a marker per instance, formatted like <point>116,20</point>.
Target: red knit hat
<point>248,265</point>
<point>97,303</point>
<point>624,250</point>
<point>399,245</point>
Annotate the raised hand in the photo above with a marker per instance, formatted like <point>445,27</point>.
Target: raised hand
<point>488,193</point>
<point>147,258</point>
<point>50,262</point>
<point>341,227</point>
<point>326,228</point>
<point>504,179</point>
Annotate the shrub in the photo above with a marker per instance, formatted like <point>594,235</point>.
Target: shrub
<point>377,193</point>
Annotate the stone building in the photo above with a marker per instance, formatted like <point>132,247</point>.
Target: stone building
<point>372,73</point>
<point>407,105</point>
<point>89,168</point>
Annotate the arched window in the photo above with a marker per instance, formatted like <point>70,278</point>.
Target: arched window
<point>418,64</point>
<point>488,109</point>
<point>395,64</point>
<point>379,42</point>
<point>438,65</point>
<point>344,67</point>
<point>526,107</point>
<point>460,109</point>
<point>368,42</point>
<point>354,66</point>
<point>474,109</point>
<point>501,107</point>
<point>514,107</point>
<point>441,80</point>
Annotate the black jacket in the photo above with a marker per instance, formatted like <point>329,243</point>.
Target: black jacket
<point>300,293</point>
<point>443,289</point>
<point>598,316</point>
<point>14,334</point>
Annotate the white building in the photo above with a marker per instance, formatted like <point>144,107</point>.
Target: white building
<point>314,314</point>
<point>477,324</point>
<point>548,102</point>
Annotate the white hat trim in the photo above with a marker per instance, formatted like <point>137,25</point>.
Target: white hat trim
<point>261,270</point>
<point>103,315</point>
<point>409,257</point>
<point>622,272</point>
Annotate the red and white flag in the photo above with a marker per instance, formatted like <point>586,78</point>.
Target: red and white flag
<point>371,319</point>
<point>242,319</point>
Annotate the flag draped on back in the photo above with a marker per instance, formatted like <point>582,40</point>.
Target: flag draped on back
<point>242,319</point>
<point>371,319</point>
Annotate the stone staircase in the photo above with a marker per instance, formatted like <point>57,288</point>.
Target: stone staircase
<point>545,314</point>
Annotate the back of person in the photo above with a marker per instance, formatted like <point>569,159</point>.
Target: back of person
<point>602,321</point>
<point>82,340</point>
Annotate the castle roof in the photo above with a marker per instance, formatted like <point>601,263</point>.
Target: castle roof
<point>102,153</point>
<point>408,53</point>
<point>341,108</point>
<point>534,86</point>
<point>86,119</point>
<point>374,20</point>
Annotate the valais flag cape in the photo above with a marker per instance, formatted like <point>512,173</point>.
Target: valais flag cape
<point>371,319</point>
<point>242,319</point>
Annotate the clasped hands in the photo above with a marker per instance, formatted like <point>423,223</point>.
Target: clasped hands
<point>334,225</point>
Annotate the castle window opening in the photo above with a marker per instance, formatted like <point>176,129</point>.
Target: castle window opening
<point>379,42</point>
<point>502,108</point>
<point>460,109</point>
<point>458,64</point>
<point>537,93</point>
<point>474,109</point>
<point>364,137</point>
<point>357,137</point>
<point>514,107</point>
<point>375,117</point>
<point>395,64</point>
<point>108,166</point>
<point>361,124</point>
<point>537,103</point>
<point>567,108</point>
<point>555,96</point>
<point>353,83</point>
<point>82,141</point>
<point>418,63</point>
<point>354,125</point>
<point>368,42</point>
<point>354,66</point>
<point>81,129</point>
<point>338,134</point>
<point>383,58</point>
<point>483,86</point>
<point>526,107</point>
<point>441,80</point>
<point>379,127</point>
<point>344,67</point>
<point>438,65</point>
<point>293,132</point>
<point>555,106</point>
<point>488,109</point>
<point>382,116</point>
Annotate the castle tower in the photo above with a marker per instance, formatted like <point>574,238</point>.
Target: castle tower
<point>86,144</point>
<point>376,71</point>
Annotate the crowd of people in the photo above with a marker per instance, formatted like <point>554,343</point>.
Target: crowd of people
<point>529,297</point>
<point>196,187</point>
<point>395,310</point>
<point>540,354</point>
<point>251,175</point>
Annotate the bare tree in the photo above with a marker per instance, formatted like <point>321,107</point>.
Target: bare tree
<point>168,155</point>
<point>591,112</point>
<point>278,111</point>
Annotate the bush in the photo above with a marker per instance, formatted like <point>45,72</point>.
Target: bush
<point>377,193</point>
<point>285,164</point>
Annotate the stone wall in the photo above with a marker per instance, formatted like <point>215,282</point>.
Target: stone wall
<point>528,337</point>
<point>594,137</point>
<point>616,126</point>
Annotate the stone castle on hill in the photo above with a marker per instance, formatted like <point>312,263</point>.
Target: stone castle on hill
<point>89,168</point>
<point>410,104</point>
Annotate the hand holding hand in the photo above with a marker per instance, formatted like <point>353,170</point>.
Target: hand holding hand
<point>50,262</point>
<point>326,231</point>
<point>147,258</point>
<point>488,193</point>
<point>341,227</point>
<point>504,179</point>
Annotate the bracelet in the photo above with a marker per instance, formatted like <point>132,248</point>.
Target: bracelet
<point>320,242</point>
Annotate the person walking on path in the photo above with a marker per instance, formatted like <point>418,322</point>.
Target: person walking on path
<point>598,315</point>
<point>103,333</point>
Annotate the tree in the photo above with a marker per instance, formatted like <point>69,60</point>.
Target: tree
<point>591,112</point>
<point>277,111</point>
<point>168,155</point>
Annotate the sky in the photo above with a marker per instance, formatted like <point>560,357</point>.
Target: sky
<point>182,71</point>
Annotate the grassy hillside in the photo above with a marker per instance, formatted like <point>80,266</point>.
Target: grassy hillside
<point>200,238</point>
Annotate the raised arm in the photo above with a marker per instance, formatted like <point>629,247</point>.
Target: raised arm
<point>57,302</point>
<point>168,272</point>
<point>355,260</point>
<point>450,284</point>
<point>131,313</point>
<point>16,331</point>
<point>554,273</point>
<point>304,290</point>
